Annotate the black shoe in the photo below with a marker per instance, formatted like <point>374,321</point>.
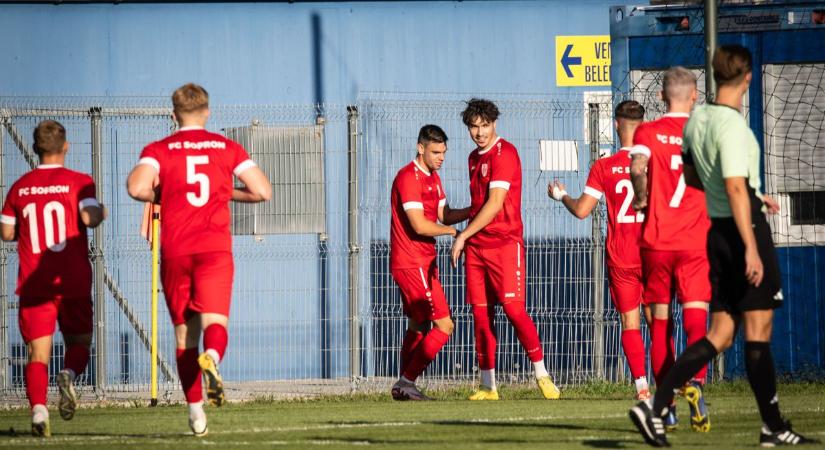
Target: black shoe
<point>785,436</point>
<point>650,426</point>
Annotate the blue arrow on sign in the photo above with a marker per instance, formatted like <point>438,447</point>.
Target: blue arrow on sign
<point>567,60</point>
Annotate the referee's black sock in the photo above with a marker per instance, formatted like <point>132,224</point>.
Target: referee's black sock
<point>762,377</point>
<point>685,367</point>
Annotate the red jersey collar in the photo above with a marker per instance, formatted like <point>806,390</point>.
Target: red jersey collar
<point>481,152</point>
<point>426,172</point>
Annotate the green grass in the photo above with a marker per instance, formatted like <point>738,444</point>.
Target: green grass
<point>591,416</point>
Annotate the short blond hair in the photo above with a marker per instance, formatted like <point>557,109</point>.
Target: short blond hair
<point>49,137</point>
<point>190,98</point>
<point>678,83</point>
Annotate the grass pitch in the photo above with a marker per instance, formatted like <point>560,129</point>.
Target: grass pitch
<point>593,416</point>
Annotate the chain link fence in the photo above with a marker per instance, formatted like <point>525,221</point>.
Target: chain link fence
<point>314,307</point>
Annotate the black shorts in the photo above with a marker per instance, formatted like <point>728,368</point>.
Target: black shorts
<point>731,291</point>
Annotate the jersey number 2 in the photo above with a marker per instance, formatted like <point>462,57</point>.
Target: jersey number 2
<point>51,211</point>
<point>624,217</point>
<point>201,179</point>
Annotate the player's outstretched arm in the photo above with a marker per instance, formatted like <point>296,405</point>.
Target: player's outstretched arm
<point>580,207</point>
<point>257,187</point>
<point>424,227</point>
<point>141,183</point>
<point>638,176</point>
<point>8,232</point>
<point>92,216</point>
<point>494,204</point>
<point>450,216</point>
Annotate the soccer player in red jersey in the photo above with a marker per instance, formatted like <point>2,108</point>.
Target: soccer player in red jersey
<point>194,170</point>
<point>48,211</point>
<point>674,236</point>
<point>494,247</point>
<point>419,203</point>
<point>610,177</point>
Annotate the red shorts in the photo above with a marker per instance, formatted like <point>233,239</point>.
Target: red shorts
<point>37,316</point>
<point>626,287</point>
<point>685,273</point>
<point>421,293</point>
<point>199,283</point>
<point>494,274</point>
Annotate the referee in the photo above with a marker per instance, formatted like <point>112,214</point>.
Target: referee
<point>721,155</point>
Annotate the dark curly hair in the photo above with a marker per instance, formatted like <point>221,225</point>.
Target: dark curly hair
<point>478,107</point>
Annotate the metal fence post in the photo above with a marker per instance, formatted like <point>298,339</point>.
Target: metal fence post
<point>4,299</point>
<point>97,256</point>
<point>597,256</point>
<point>354,248</point>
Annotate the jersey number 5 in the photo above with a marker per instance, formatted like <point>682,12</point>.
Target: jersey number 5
<point>201,179</point>
<point>51,211</point>
<point>623,217</point>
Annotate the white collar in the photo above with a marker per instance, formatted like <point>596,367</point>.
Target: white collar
<point>192,127</point>
<point>481,152</point>
<point>49,166</point>
<point>426,172</point>
<point>677,115</point>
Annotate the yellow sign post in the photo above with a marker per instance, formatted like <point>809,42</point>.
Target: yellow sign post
<point>582,61</point>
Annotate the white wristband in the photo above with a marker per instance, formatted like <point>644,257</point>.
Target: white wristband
<point>558,194</point>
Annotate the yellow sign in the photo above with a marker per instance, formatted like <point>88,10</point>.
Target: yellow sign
<point>583,60</point>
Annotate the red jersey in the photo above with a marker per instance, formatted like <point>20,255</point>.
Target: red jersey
<point>677,217</point>
<point>44,205</point>
<point>610,177</point>
<point>497,167</point>
<point>195,169</point>
<point>413,188</point>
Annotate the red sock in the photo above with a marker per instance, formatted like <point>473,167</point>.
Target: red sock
<point>215,338</point>
<point>661,348</point>
<point>37,383</point>
<point>695,323</point>
<point>76,358</point>
<point>526,330</point>
<point>189,372</point>
<point>634,351</point>
<point>425,354</point>
<point>411,341</point>
<point>484,328</point>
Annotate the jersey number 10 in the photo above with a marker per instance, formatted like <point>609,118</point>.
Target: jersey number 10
<point>51,211</point>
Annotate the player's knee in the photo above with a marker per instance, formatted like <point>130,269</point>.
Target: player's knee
<point>514,310</point>
<point>630,320</point>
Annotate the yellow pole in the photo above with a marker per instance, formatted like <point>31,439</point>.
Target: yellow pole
<point>155,252</point>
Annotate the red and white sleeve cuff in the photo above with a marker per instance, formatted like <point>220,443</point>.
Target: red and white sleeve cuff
<point>442,202</point>
<point>640,149</point>
<point>593,192</point>
<point>149,161</point>
<point>8,220</point>
<point>412,205</point>
<point>240,168</point>
<point>87,202</point>
<point>500,184</point>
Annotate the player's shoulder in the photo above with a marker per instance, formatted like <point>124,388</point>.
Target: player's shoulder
<point>504,150</point>
<point>405,173</point>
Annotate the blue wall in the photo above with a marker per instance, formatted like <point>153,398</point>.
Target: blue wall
<point>265,52</point>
